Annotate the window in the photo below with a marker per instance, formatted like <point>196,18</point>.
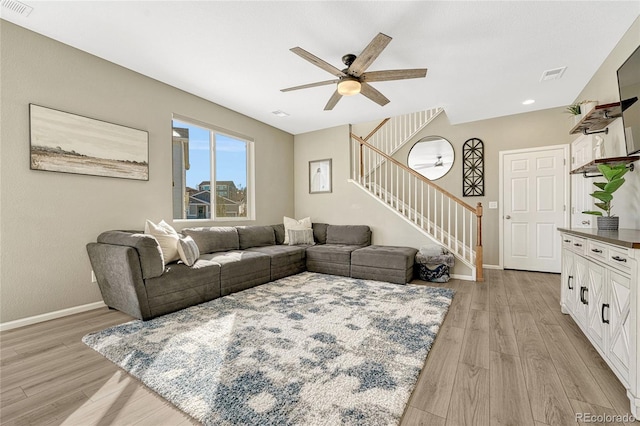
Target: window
<point>205,157</point>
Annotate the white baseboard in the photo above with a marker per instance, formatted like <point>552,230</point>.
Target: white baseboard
<point>492,267</point>
<point>461,277</point>
<point>49,316</point>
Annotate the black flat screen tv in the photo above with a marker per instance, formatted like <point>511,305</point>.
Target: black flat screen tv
<point>629,88</point>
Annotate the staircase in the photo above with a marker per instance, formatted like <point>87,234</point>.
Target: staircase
<point>432,210</point>
<point>390,135</point>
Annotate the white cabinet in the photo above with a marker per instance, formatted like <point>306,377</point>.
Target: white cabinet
<point>600,291</point>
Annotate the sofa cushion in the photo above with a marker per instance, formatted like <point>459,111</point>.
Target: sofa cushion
<point>285,260</point>
<point>320,232</point>
<point>240,270</point>
<point>182,286</point>
<point>359,235</point>
<point>147,247</point>
<point>279,230</point>
<point>256,236</point>
<point>214,239</point>
<point>384,257</point>
<point>282,254</point>
<point>339,253</point>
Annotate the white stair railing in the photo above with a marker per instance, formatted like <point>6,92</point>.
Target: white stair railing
<point>434,211</point>
<point>398,130</point>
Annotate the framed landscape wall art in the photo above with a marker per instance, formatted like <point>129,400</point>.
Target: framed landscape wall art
<point>70,143</point>
<point>319,176</point>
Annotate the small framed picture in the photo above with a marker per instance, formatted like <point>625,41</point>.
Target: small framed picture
<point>320,176</point>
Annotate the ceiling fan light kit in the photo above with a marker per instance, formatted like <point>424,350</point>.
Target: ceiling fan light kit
<point>353,79</point>
<point>349,86</point>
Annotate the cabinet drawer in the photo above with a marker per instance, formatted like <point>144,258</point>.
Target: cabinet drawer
<point>578,245</point>
<point>597,250</point>
<point>619,258</point>
<point>567,241</point>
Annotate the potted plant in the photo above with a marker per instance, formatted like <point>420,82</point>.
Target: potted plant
<point>574,110</point>
<point>613,175</point>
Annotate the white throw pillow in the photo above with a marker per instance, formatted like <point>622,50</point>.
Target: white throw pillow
<point>290,223</point>
<point>167,237</point>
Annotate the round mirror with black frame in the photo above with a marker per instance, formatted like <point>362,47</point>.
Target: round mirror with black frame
<point>432,157</point>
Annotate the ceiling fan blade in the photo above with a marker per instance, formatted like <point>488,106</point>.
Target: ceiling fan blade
<point>373,94</point>
<point>394,74</point>
<point>317,61</point>
<point>306,86</point>
<point>333,101</point>
<point>369,54</point>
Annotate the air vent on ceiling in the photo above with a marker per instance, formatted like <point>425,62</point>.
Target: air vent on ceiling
<point>553,74</point>
<point>17,7</point>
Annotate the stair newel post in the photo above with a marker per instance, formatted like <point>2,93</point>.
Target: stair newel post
<point>479,260</point>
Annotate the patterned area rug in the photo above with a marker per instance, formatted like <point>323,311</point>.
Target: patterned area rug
<point>310,349</point>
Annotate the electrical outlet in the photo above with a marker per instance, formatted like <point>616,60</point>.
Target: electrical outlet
<point>493,204</point>
<point>93,277</point>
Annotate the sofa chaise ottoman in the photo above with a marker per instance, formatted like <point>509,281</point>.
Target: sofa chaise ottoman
<point>383,263</point>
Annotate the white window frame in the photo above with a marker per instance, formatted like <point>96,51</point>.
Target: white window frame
<point>250,166</point>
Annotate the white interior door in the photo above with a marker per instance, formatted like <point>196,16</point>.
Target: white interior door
<point>534,198</point>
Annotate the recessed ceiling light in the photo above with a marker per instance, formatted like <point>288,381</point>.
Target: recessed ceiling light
<point>528,102</point>
<point>280,113</point>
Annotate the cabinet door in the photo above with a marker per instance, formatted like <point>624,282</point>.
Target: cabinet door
<point>618,315</point>
<point>595,298</point>
<point>580,292</point>
<point>581,151</point>
<point>581,201</point>
<point>568,284</point>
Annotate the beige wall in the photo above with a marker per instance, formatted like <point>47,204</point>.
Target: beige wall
<point>47,218</point>
<point>603,87</point>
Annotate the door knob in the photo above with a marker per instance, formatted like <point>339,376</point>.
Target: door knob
<point>507,217</point>
<point>586,222</point>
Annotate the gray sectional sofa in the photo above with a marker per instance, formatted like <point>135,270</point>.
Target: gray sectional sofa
<point>132,278</point>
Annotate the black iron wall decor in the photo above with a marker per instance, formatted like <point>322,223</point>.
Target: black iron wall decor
<point>473,168</point>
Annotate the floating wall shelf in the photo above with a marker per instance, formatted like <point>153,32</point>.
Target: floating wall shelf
<point>592,167</point>
<point>600,117</point>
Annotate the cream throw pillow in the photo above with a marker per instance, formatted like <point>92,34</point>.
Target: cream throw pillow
<point>167,238</point>
<point>290,223</point>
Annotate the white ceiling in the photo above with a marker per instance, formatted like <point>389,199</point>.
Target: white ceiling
<point>484,58</point>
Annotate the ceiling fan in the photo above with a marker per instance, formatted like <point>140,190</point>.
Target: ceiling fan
<point>353,79</point>
<point>438,163</point>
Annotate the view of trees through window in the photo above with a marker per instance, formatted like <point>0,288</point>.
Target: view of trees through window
<point>209,173</point>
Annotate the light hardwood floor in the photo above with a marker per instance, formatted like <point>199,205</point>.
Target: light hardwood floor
<point>505,355</point>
